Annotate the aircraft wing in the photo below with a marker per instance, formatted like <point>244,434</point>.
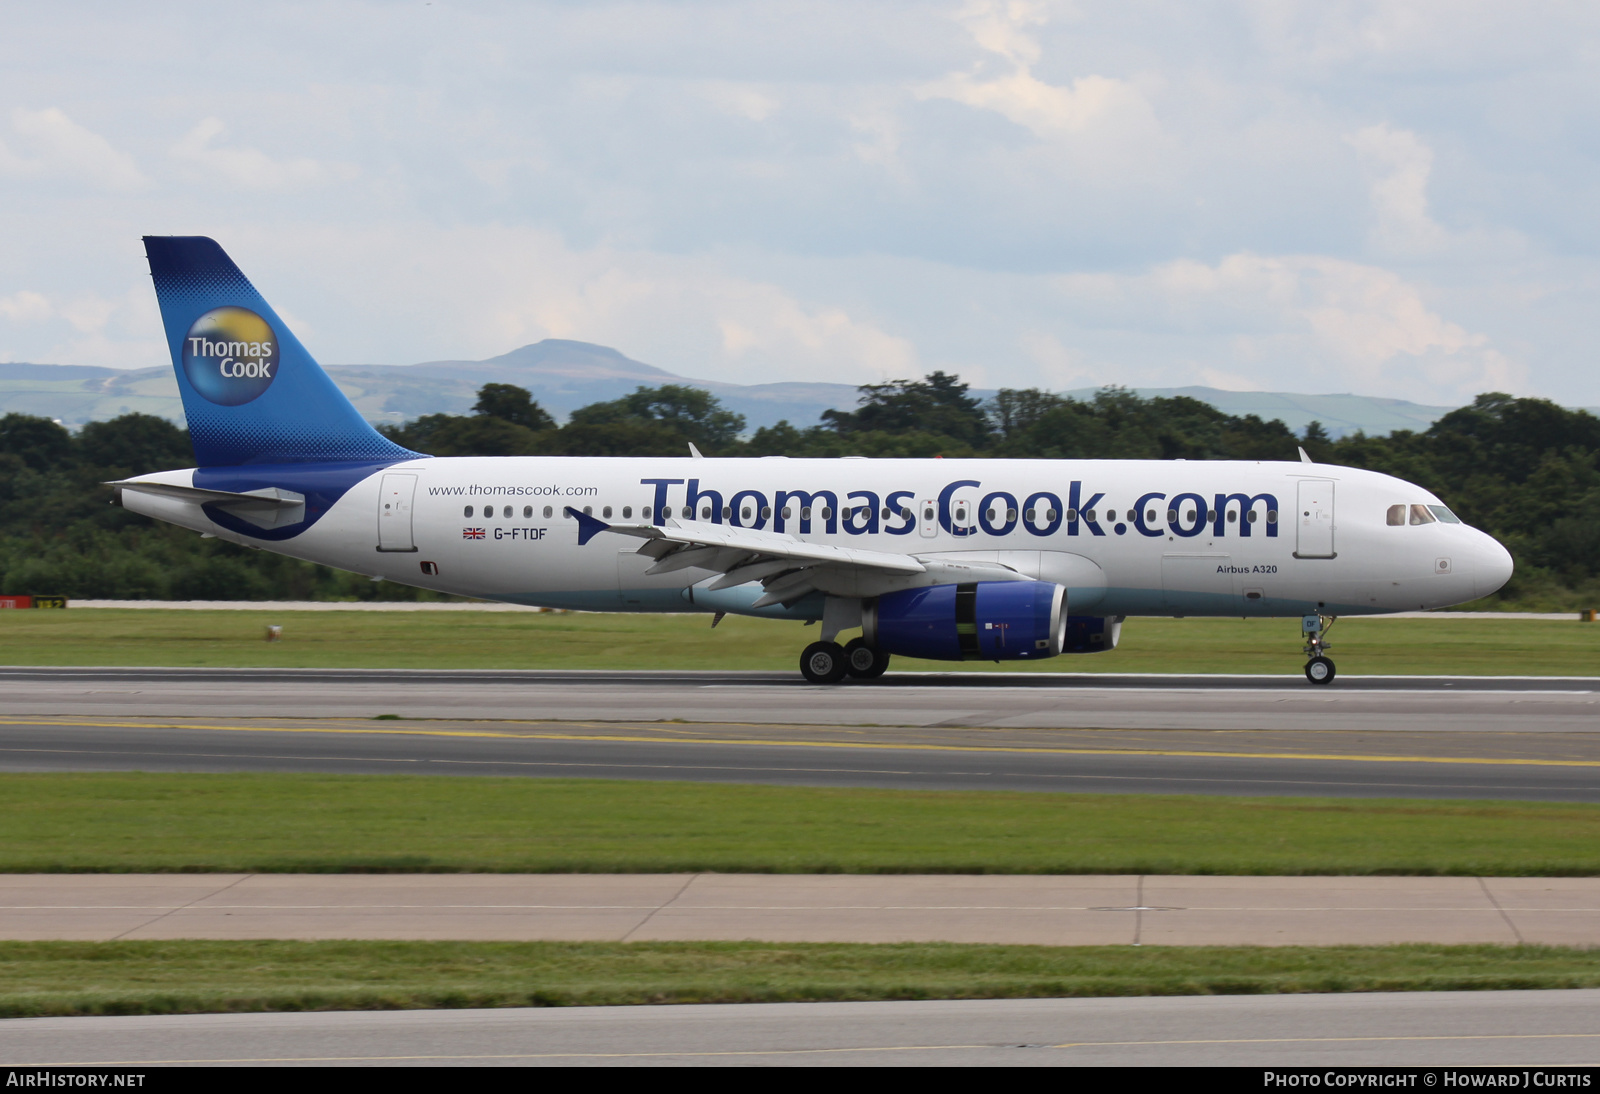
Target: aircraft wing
<point>788,568</point>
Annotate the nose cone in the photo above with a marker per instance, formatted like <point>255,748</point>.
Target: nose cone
<point>1492,567</point>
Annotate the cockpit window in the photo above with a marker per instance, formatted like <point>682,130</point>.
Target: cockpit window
<point>1397,516</point>
<point>1444,514</point>
<point>1421,515</point>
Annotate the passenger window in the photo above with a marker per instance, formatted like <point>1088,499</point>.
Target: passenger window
<point>805,512</point>
<point>588,510</point>
<point>1072,515</point>
<point>744,514</point>
<point>1049,515</point>
<point>467,512</point>
<point>766,512</point>
<point>1420,515</point>
<point>1011,515</point>
<point>727,513</point>
<point>905,512</point>
<point>1028,516</point>
<point>705,512</point>
<point>527,511</point>
<point>1250,516</point>
<point>1233,517</point>
<point>507,513</point>
<point>548,512</point>
<point>627,512</point>
<point>1444,514</point>
<point>988,515</point>
<point>645,512</point>
<point>787,513</point>
<point>1397,516</point>
<point>606,512</point>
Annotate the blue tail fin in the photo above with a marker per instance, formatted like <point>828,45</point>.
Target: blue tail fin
<point>251,392</point>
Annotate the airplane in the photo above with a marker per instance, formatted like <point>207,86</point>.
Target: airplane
<point>941,559</point>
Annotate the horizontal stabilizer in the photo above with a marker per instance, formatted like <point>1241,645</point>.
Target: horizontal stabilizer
<point>268,507</point>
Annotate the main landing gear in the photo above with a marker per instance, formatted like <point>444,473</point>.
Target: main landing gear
<point>829,662</point>
<point>1319,669</point>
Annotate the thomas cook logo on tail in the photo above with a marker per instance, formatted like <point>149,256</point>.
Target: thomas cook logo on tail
<point>230,355</point>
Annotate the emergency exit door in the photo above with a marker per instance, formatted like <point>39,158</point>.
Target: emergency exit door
<point>395,495</point>
<point>1313,520</point>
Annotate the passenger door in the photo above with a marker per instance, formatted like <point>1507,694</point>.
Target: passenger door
<point>395,495</point>
<point>1313,520</point>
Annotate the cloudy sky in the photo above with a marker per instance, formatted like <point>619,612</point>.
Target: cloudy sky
<point>1393,198</point>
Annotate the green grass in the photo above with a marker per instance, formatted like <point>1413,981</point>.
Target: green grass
<point>327,823</point>
<point>76,978</point>
<point>1439,644</point>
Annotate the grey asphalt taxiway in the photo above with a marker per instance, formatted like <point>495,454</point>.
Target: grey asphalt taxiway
<point>1541,1030</point>
<point>1455,737</point>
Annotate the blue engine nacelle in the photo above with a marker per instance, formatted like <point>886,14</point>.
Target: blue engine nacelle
<point>984,621</point>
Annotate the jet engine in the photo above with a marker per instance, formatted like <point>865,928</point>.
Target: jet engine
<point>1092,633</point>
<point>982,621</point>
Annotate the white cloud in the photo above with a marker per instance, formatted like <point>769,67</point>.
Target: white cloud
<point>476,292</point>
<point>63,148</point>
<point>762,325</point>
<point>1049,110</point>
<point>250,167</point>
<point>740,100</point>
<point>1399,165</point>
<point>1059,366</point>
<point>26,307</point>
<point>1298,321</point>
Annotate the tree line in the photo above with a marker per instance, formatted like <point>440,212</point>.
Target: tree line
<point>1525,470</point>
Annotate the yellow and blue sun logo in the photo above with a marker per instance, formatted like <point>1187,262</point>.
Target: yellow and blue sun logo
<point>230,355</point>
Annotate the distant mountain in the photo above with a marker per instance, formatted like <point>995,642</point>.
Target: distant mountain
<point>1339,414</point>
<point>564,375</point>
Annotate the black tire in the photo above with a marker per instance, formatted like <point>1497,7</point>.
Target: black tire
<point>864,662</point>
<point>1320,670</point>
<point>823,663</point>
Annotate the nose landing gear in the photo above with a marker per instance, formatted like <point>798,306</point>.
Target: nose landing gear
<point>1319,669</point>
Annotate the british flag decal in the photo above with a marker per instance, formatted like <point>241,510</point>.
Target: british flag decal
<point>472,533</point>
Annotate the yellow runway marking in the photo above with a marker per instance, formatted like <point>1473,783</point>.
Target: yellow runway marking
<point>627,739</point>
<point>816,1051</point>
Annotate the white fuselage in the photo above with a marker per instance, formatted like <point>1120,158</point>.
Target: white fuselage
<point>1127,537</point>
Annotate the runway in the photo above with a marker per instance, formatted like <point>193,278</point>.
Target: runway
<point>1106,701</point>
<point>1522,1029</point>
<point>1520,738</point>
<point>1518,766</point>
